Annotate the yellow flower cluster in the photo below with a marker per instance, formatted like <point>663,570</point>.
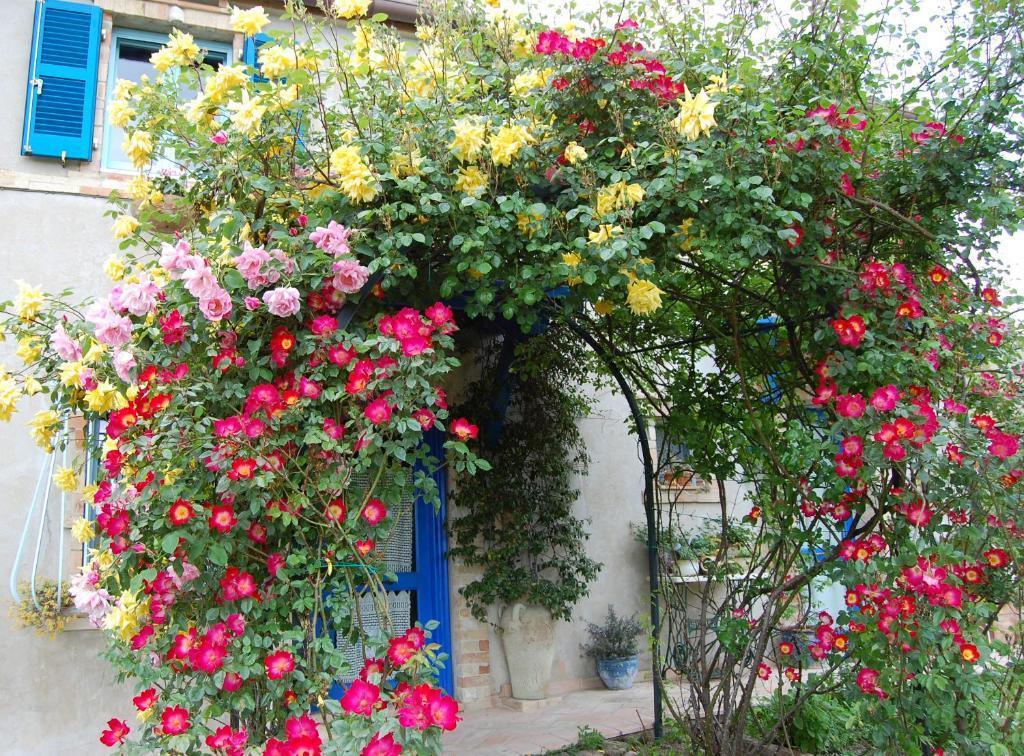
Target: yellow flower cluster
<point>181,50</point>
<point>275,60</point>
<point>508,142</point>
<point>529,223</point>
<point>357,181</point>
<point>605,232</point>
<point>530,80</point>
<point>696,115</point>
<point>123,89</point>
<point>574,153</point>
<point>471,181</point>
<point>348,8</point>
<point>247,114</point>
<point>71,374</point>
<point>406,163</point>
<point>142,190</point>
<point>66,479</point>
<point>29,301</point>
<point>470,135</point>
<point>10,393</point>
<point>618,195</point>
<point>124,226</point>
<point>125,618</point>
<point>29,350</point>
<point>224,81</point>
<point>120,113</point>
<point>249,21</point>
<point>43,427</point>
<point>114,268</point>
<point>643,297</point>
<point>104,398</point>
<point>138,146</point>
<point>83,530</point>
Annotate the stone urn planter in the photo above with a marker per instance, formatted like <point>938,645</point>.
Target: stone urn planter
<point>528,635</point>
<point>618,674</point>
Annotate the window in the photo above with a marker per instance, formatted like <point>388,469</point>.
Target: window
<point>673,460</point>
<point>129,59</point>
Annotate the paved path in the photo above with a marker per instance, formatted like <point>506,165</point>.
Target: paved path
<point>503,732</point>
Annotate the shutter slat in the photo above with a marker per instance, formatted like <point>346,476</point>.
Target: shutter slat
<point>59,120</point>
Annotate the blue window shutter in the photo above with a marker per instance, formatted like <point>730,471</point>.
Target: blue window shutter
<point>250,54</point>
<point>60,104</point>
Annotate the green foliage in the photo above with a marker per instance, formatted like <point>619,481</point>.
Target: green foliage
<point>616,638</point>
<point>828,725</point>
<point>588,738</point>
<point>516,522</point>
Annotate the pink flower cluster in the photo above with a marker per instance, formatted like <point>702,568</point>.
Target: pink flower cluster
<point>255,266</point>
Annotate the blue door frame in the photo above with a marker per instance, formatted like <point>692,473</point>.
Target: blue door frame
<point>429,580</point>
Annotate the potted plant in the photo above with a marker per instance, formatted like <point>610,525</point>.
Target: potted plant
<point>677,554</point>
<point>613,646</point>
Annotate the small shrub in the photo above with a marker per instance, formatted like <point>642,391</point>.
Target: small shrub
<point>614,639</point>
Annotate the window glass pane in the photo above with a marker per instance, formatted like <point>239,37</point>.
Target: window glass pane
<point>132,63</point>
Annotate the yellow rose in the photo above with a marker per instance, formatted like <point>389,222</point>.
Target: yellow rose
<point>250,21</point>
<point>114,268</point>
<point>120,113</point>
<point>470,134</point>
<point>10,393</point>
<point>124,226</point>
<point>29,301</point>
<point>471,181</point>
<point>348,8</point>
<point>29,349</point>
<point>571,259</point>
<point>696,115</point>
<point>43,427</point>
<point>83,530</point>
<point>183,48</point>
<point>357,180</point>
<point>604,233</point>
<point>247,114</point>
<point>507,143</point>
<point>643,297</point>
<point>138,146</point>
<point>574,153</point>
<point>604,307</point>
<point>66,479</point>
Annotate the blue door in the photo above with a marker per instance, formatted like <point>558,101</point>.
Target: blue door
<point>415,553</point>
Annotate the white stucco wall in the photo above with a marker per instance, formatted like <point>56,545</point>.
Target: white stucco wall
<point>57,693</point>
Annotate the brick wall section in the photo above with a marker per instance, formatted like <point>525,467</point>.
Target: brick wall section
<point>471,652</point>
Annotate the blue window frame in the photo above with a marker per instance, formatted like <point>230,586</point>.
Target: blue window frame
<point>129,59</point>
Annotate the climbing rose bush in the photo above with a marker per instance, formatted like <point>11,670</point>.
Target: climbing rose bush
<point>280,329</point>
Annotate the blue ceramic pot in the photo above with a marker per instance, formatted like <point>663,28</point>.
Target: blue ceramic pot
<point>618,674</point>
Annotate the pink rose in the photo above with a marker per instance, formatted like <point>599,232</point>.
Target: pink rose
<point>252,303</point>
<point>139,298</point>
<point>282,301</point>
<point>124,363</point>
<point>221,137</point>
<point>349,275</point>
<point>66,347</point>
<point>250,264</point>
<point>200,282</point>
<point>216,306</point>
<point>332,239</point>
<point>109,327</point>
<point>176,257</point>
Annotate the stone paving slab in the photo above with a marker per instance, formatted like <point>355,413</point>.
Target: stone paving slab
<point>500,731</point>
